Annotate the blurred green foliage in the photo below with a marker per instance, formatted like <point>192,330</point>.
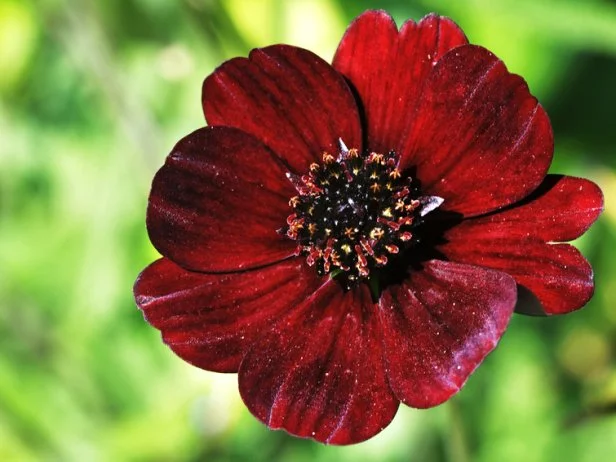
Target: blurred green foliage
<point>93,96</point>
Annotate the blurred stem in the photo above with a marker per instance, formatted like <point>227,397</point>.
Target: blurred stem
<point>456,445</point>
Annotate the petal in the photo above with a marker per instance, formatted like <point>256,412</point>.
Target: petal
<point>557,274</point>
<point>389,69</point>
<point>289,98</point>
<point>210,320</point>
<point>439,325</point>
<point>217,202</point>
<point>319,373</point>
<point>562,208</point>
<point>514,241</point>
<point>481,140</point>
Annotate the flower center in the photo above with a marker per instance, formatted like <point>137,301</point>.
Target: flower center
<point>354,212</point>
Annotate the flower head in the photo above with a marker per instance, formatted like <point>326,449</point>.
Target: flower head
<point>350,236</point>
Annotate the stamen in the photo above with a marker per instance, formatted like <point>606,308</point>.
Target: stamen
<point>352,211</point>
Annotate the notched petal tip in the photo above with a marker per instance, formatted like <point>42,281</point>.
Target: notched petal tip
<point>523,240</point>
<point>379,15</point>
<point>389,68</point>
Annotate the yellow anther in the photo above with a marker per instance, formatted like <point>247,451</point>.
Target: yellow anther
<point>377,233</point>
<point>395,173</point>
<point>328,158</point>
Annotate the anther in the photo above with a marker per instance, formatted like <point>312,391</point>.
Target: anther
<point>353,211</point>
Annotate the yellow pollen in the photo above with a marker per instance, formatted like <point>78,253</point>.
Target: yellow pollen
<point>328,158</point>
<point>374,157</point>
<point>377,233</point>
<point>395,173</point>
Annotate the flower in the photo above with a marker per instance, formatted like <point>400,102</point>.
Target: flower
<point>352,236</point>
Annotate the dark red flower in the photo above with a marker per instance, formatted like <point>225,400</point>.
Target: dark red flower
<point>347,237</point>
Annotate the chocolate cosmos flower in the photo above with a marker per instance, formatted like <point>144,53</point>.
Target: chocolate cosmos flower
<point>350,236</point>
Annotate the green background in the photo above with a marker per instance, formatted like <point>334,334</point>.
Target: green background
<point>93,96</point>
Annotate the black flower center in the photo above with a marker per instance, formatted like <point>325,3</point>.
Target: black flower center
<point>354,213</point>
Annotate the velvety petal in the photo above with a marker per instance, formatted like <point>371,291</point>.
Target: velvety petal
<point>481,140</point>
<point>439,325</point>
<point>210,320</point>
<point>217,202</point>
<point>289,98</point>
<point>388,69</point>
<point>319,373</point>
<point>561,209</point>
<point>515,241</point>
<point>557,274</point>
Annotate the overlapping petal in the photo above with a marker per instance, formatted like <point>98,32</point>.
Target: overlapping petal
<point>481,141</point>
<point>319,373</point>
<point>289,98</point>
<point>217,202</point>
<point>519,242</point>
<point>439,324</point>
<point>389,69</point>
<point>210,320</point>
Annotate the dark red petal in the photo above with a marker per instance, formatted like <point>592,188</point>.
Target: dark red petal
<point>217,202</point>
<point>514,241</point>
<point>289,98</point>
<point>481,140</point>
<point>561,209</point>
<point>210,320</point>
<point>389,69</point>
<point>557,274</point>
<point>319,373</point>
<point>439,325</point>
